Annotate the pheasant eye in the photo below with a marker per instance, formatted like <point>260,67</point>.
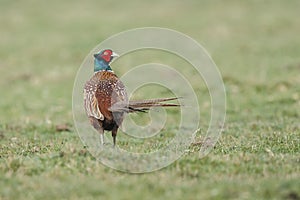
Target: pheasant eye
<point>105,53</point>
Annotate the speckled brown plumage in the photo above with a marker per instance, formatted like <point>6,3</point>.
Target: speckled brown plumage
<point>101,92</point>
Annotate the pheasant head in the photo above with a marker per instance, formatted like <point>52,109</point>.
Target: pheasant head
<point>103,59</point>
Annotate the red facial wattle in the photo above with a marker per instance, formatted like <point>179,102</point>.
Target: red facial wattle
<point>106,55</point>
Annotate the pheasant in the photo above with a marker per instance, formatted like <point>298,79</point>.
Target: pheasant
<point>106,100</point>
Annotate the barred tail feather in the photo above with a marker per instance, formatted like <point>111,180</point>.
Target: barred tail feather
<point>143,105</point>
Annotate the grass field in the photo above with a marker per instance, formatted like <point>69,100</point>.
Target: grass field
<point>256,46</point>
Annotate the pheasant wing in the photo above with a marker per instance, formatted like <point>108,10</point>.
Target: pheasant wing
<point>90,101</point>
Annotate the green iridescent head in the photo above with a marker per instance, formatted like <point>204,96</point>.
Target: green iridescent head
<point>102,60</point>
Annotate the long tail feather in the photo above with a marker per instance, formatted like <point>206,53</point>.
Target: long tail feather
<point>143,105</point>
<point>151,101</point>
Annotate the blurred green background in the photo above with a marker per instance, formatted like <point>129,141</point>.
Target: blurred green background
<point>256,46</point>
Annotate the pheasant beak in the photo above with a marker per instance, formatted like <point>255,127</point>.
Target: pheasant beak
<point>114,54</point>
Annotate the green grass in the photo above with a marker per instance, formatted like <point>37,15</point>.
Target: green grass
<point>256,47</point>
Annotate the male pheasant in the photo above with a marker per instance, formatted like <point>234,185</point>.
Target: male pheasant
<point>105,97</point>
